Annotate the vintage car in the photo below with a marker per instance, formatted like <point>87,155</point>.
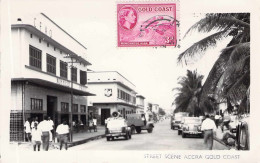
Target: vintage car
<point>191,126</point>
<point>233,123</point>
<point>176,120</point>
<point>117,127</point>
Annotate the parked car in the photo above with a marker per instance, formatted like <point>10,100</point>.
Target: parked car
<point>117,127</point>
<point>243,134</point>
<point>191,126</point>
<point>176,121</point>
<point>233,123</point>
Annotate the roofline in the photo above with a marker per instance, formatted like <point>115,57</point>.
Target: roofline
<point>31,28</point>
<point>62,30</point>
<point>112,71</point>
<point>109,82</point>
<point>140,96</point>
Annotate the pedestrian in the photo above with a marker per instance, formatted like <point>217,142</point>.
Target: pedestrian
<point>44,127</point>
<point>62,132</point>
<point>90,124</point>
<point>27,129</point>
<point>35,120</point>
<point>143,119</point>
<point>217,118</point>
<point>209,128</point>
<point>36,137</point>
<point>225,123</point>
<point>95,123</point>
<point>52,127</point>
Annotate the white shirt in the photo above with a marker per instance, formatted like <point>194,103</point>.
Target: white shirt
<point>208,124</point>
<point>51,124</point>
<point>44,126</point>
<point>217,116</point>
<point>27,127</point>
<point>95,122</point>
<point>32,124</point>
<point>62,129</point>
<point>36,134</point>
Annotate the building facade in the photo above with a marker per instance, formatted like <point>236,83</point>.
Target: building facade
<point>49,74</point>
<point>113,93</point>
<point>140,104</point>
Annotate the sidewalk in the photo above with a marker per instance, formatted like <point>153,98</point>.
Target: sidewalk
<point>219,136</point>
<point>78,138</point>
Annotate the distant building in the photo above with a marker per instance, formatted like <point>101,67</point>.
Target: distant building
<point>140,104</point>
<point>43,77</point>
<point>113,93</point>
<point>155,108</point>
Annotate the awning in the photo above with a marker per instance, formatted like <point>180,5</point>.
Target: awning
<point>51,85</point>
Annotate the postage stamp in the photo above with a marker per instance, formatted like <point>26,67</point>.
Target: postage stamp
<point>140,25</point>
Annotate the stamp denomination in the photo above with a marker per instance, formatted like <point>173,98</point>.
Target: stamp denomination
<point>146,25</point>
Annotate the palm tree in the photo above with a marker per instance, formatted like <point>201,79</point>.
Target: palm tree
<point>229,78</point>
<point>187,97</point>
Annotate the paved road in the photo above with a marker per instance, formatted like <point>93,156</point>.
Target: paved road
<point>162,138</point>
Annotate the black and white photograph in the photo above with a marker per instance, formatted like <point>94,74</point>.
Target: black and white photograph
<point>129,81</point>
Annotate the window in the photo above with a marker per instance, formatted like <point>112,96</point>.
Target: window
<point>31,35</point>
<point>64,107</point>
<point>63,69</point>
<point>83,108</point>
<point>54,48</point>
<point>40,40</point>
<point>51,64</point>
<point>60,52</point>
<point>36,104</point>
<point>74,74</point>
<point>35,57</point>
<point>48,44</point>
<point>75,108</point>
<point>83,77</point>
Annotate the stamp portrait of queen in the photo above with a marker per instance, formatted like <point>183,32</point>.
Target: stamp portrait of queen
<point>127,17</point>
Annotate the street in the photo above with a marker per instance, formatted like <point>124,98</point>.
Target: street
<point>162,138</point>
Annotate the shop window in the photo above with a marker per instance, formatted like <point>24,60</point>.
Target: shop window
<point>83,77</point>
<point>75,108</point>
<point>83,108</point>
<point>51,64</point>
<point>64,107</point>
<point>63,69</point>
<point>74,74</point>
<point>36,104</point>
<point>35,57</point>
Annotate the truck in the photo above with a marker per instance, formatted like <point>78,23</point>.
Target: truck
<point>177,118</point>
<point>116,127</point>
<point>139,122</point>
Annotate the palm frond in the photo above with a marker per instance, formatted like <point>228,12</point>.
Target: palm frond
<point>202,45</point>
<point>218,22</point>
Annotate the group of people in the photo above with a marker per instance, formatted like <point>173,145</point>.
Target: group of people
<point>43,133</point>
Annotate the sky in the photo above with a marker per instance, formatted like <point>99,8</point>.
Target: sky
<point>154,71</point>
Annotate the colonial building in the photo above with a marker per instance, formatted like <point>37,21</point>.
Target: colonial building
<point>49,68</point>
<point>140,104</point>
<point>113,93</point>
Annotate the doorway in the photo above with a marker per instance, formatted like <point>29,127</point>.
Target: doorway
<point>105,113</point>
<point>52,109</point>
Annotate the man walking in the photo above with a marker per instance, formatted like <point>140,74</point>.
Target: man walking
<point>95,124</point>
<point>52,127</point>
<point>62,134</point>
<point>27,129</point>
<point>45,128</point>
<point>209,128</point>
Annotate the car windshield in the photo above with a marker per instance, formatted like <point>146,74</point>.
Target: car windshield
<point>116,123</point>
<point>192,120</point>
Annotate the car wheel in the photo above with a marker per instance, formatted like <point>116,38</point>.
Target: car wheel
<point>150,130</point>
<point>138,130</point>
<point>126,137</point>
<point>108,138</point>
<point>130,136</point>
<point>179,132</point>
<point>183,135</point>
